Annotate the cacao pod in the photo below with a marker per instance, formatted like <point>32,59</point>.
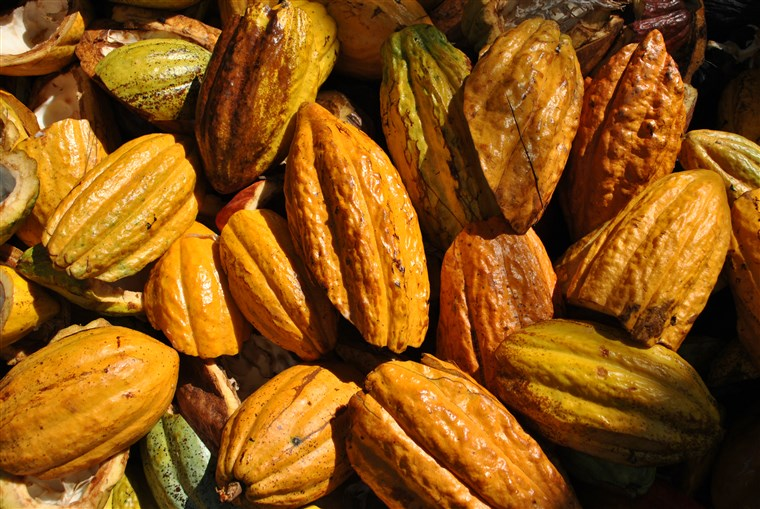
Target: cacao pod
<point>732,156</point>
<point>522,102</point>
<point>426,133</point>
<point>17,121</point>
<point>744,269</point>
<point>157,78</point>
<point>285,445</point>
<point>493,282</point>
<point>630,132</point>
<point>188,298</point>
<point>427,435</point>
<point>739,107</point>
<point>19,189</point>
<point>64,152</point>
<point>362,28</point>
<point>24,306</point>
<point>653,265</point>
<point>83,398</point>
<point>265,64</point>
<point>588,387</point>
<point>355,228</point>
<point>126,211</point>
<point>271,284</point>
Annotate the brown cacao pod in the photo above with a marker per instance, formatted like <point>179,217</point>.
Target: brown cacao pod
<point>739,106</point>
<point>744,269</point>
<point>188,298</point>
<point>426,132</point>
<point>265,64</point>
<point>735,479</point>
<point>355,228</point>
<point>126,211</point>
<point>285,445</point>
<point>522,102</point>
<point>732,156</point>
<point>588,387</point>
<point>64,152</point>
<point>653,265</point>
<point>427,435</point>
<point>493,282</point>
<point>630,132</point>
<point>83,398</point>
<point>271,284</point>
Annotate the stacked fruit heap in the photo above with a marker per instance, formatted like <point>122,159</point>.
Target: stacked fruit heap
<point>454,253</point>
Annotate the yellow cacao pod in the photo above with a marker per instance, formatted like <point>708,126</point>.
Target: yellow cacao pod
<point>64,151</point>
<point>363,26</point>
<point>629,135</point>
<point>271,284</point>
<point>188,298</point>
<point>732,156</point>
<point>285,445</point>
<point>588,387</point>
<point>653,265</point>
<point>522,102</point>
<point>744,269</point>
<point>83,398</point>
<point>126,211</point>
<point>355,228</point>
<point>427,435</point>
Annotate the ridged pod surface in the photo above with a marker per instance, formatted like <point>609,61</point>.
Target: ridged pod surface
<point>271,284</point>
<point>285,445</point>
<point>586,386</point>
<point>739,107</point>
<point>64,152</point>
<point>731,155</point>
<point>126,211</point>
<point>188,298</point>
<point>158,78</point>
<point>493,282</point>
<point>83,398</point>
<point>355,228</point>
<point>653,265</point>
<point>265,64</point>
<point>427,435</point>
<point>522,102</point>
<point>426,133</point>
<point>744,269</point>
<point>630,132</point>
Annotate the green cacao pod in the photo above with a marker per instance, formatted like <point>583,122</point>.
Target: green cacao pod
<point>588,387</point>
<point>126,211</point>
<point>265,64</point>
<point>426,132</point>
<point>19,189</point>
<point>178,467</point>
<point>158,78</point>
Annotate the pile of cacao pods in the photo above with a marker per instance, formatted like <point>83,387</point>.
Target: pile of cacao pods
<point>380,253</point>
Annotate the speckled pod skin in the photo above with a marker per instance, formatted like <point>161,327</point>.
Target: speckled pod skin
<point>588,387</point>
<point>285,445</point>
<point>83,398</point>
